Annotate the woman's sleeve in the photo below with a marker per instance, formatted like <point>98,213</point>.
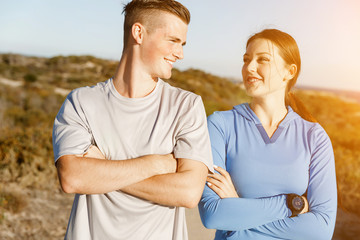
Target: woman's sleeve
<point>235,213</point>
<point>319,222</point>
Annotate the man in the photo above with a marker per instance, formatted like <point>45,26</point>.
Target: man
<point>158,131</point>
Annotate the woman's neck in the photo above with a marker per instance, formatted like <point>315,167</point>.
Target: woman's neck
<point>270,111</point>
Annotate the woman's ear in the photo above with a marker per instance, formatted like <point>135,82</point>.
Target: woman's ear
<point>291,72</point>
<point>137,32</point>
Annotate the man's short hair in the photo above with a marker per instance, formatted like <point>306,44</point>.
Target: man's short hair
<point>143,11</point>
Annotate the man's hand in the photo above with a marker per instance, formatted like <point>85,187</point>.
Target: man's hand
<point>166,163</point>
<point>181,189</point>
<point>222,184</point>
<point>93,152</point>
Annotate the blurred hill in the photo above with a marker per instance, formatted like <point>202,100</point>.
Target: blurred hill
<point>32,90</point>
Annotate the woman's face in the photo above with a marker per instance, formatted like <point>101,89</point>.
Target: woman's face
<point>265,71</point>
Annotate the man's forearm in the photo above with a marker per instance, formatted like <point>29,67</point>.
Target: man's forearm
<point>183,188</point>
<point>86,175</point>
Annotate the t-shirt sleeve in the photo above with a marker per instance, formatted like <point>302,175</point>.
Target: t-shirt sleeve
<point>71,131</point>
<point>192,139</point>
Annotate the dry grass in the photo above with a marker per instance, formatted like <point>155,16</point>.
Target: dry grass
<point>27,113</point>
<point>341,120</point>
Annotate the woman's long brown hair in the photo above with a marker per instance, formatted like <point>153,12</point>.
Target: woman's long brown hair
<point>289,51</point>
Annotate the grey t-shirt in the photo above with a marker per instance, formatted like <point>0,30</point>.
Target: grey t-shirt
<point>167,120</point>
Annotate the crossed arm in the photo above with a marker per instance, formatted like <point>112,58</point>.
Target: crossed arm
<point>158,178</point>
<point>256,218</point>
<point>269,217</point>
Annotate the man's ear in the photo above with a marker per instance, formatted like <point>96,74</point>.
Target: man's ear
<point>291,72</point>
<point>137,32</point>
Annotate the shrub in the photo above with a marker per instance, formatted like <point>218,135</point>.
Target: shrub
<point>30,78</point>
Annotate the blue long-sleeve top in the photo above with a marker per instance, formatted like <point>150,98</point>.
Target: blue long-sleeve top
<point>298,157</point>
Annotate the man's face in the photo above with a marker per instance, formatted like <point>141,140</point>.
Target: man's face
<point>163,45</point>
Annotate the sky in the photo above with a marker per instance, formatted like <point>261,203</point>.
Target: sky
<point>327,32</point>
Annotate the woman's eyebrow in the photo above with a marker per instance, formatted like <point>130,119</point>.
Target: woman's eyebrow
<point>263,53</point>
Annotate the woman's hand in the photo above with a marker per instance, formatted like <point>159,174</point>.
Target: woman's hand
<point>306,208</point>
<point>222,184</point>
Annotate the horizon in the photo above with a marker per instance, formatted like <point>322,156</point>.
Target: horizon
<point>328,34</point>
<point>235,80</point>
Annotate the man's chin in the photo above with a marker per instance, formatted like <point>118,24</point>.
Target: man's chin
<point>165,76</point>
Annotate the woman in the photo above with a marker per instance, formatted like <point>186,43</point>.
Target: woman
<point>273,159</point>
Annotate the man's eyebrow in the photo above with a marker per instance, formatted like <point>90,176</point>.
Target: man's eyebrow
<point>178,40</point>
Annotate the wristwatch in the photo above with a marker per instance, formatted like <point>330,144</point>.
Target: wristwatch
<point>296,204</point>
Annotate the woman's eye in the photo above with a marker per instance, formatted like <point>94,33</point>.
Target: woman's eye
<point>263,59</point>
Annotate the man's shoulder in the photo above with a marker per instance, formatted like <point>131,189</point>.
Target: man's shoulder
<point>179,93</point>
<point>87,92</point>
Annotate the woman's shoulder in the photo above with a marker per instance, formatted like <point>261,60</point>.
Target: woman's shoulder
<point>219,119</point>
<point>225,121</point>
<point>316,134</point>
<point>226,116</point>
<point>308,125</point>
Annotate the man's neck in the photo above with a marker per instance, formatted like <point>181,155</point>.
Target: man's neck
<point>131,80</point>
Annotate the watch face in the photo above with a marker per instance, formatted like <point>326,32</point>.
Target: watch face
<point>298,203</point>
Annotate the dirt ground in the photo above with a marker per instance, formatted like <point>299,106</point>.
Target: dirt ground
<point>44,215</point>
